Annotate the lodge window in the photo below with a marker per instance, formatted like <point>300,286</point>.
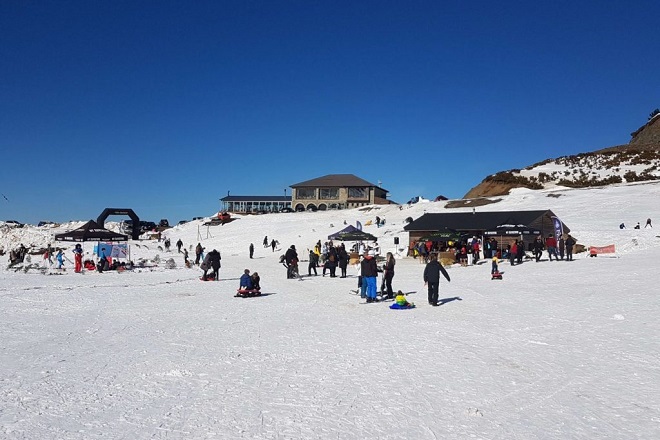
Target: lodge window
<point>358,193</point>
<point>306,193</point>
<point>329,193</point>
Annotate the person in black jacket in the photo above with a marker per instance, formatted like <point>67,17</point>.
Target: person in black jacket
<point>313,261</point>
<point>291,262</point>
<point>388,268</point>
<point>538,248</point>
<point>214,257</point>
<point>343,258</point>
<point>432,278</point>
<point>570,242</point>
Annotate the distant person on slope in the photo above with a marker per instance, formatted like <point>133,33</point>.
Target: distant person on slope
<point>648,223</point>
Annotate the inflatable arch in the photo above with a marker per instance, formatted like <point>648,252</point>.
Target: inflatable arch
<point>135,234</point>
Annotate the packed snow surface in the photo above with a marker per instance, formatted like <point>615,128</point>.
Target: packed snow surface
<point>555,350</point>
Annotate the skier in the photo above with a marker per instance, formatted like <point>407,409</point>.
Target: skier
<point>60,259</point>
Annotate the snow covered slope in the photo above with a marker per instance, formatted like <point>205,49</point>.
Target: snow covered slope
<point>555,350</point>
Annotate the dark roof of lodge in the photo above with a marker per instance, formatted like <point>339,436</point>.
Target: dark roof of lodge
<point>256,199</point>
<point>336,180</point>
<point>481,221</point>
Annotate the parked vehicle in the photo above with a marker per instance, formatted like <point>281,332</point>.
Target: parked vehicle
<point>14,223</point>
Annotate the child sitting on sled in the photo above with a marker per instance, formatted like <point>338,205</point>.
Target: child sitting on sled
<point>400,302</point>
<point>255,281</point>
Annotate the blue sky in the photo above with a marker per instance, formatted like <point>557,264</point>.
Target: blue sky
<point>164,106</point>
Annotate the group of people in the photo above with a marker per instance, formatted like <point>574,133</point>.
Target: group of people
<point>637,226</point>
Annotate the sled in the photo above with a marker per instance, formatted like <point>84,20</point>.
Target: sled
<point>249,293</point>
<point>396,306</point>
<point>496,276</point>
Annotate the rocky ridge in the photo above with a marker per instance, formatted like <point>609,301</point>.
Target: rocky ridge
<point>639,160</point>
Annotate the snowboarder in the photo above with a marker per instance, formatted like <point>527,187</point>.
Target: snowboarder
<point>432,278</point>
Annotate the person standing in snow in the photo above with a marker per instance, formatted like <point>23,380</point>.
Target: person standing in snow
<point>214,258</point>
<point>266,241</point>
<point>60,259</point>
<point>538,248</point>
<point>198,253</point>
<point>77,258</point>
<point>179,244</point>
<point>251,250</point>
<point>551,245</point>
<point>369,273</point>
<point>570,242</point>
<point>206,266</point>
<point>313,261</point>
<point>648,223</point>
<point>388,274</point>
<point>291,262</point>
<point>273,244</point>
<point>432,278</point>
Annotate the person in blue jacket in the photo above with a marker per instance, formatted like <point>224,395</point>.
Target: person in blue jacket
<point>246,280</point>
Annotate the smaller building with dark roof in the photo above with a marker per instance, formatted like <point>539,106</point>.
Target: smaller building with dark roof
<point>476,223</point>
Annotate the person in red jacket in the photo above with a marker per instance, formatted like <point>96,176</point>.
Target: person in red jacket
<point>551,245</point>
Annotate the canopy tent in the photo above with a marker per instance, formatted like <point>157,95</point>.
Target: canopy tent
<point>91,231</point>
<point>355,236</point>
<point>512,230</point>
<point>346,230</point>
